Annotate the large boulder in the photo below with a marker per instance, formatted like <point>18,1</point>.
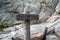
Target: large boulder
<point>14,28</point>
<point>35,2</point>
<point>57,29</point>
<point>19,5</point>
<point>51,37</point>
<point>56,26</point>
<point>52,3</point>
<point>47,10</point>
<point>36,33</point>
<point>45,13</point>
<point>58,7</point>
<point>53,18</point>
<point>5,7</point>
<point>52,24</point>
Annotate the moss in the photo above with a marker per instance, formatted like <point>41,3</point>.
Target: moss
<point>6,25</point>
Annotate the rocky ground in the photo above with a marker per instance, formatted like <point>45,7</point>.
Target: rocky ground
<point>49,19</point>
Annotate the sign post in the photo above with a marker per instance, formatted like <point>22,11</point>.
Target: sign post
<point>27,18</point>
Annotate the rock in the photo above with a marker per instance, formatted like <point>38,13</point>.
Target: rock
<point>20,6</point>
<point>53,18</point>
<point>56,26</point>
<point>5,7</point>
<point>57,29</point>
<point>47,10</point>
<point>35,2</point>
<point>53,24</point>
<point>36,33</point>
<point>51,37</point>
<point>33,9</point>
<point>45,13</point>
<point>52,27</point>
<point>52,3</point>
<point>58,7</point>
<point>5,37</point>
<point>14,28</point>
<point>55,13</point>
<point>7,30</point>
<point>9,18</point>
<point>50,31</point>
<point>9,9</point>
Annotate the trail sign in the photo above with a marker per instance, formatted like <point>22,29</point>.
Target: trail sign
<point>27,18</point>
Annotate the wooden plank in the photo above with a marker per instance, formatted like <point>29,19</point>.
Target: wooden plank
<point>27,30</point>
<point>27,17</point>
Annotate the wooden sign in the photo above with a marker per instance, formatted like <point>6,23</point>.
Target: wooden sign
<point>27,17</point>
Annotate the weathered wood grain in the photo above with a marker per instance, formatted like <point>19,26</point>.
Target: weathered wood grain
<point>27,17</point>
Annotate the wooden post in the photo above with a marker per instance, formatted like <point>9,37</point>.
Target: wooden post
<point>27,18</point>
<point>27,30</point>
<point>27,27</point>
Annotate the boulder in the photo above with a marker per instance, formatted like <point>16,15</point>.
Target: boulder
<point>50,30</point>
<point>58,7</point>
<point>34,2</point>
<point>36,33</point>
<point>47,10</point>
<point>6,36</point>
<point>53,18</point>
<point>56,26</point>
<point>57,29</point>
<point>14,28</point>
<point>34,7</point>
<point>51,37</point>
<point>52,3</point>
<point>51,26</point>
<point>6,6</point>
<point>45,13</point>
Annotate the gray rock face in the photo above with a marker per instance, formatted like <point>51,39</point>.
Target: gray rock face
<point>58,7</point>
<point>36,33</point>
<point>6,37</point>
<point>43,10</point>
<point>55,18</point>
<point>5,6</point>
<point>45,13</point>
<point>48,9</point>
<point>57,29</point>
<point>36,2</point>
<point>19,5</point>
<point>17,27</point>
<point>51,37</point>
<point>52,3</point>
